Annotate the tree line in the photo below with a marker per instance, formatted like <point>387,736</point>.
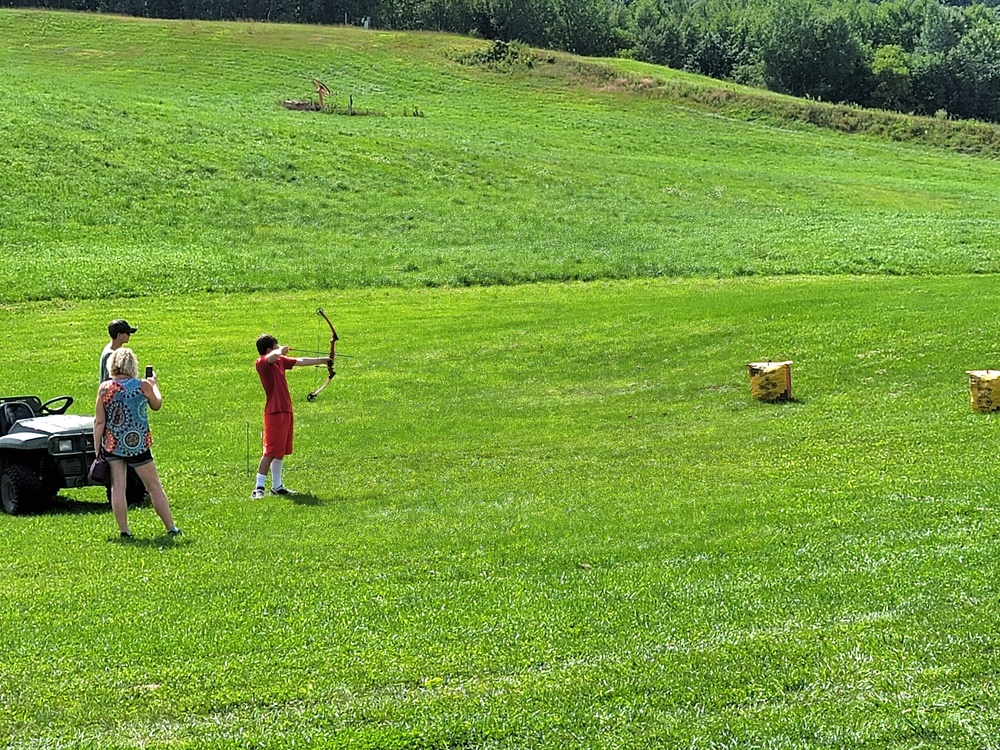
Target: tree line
<point>933,57</point>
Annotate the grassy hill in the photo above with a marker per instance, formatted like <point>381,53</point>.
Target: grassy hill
<point>145,157</point>
<point>540,515</point>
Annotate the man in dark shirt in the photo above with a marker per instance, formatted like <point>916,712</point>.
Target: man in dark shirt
<point>120,332</point>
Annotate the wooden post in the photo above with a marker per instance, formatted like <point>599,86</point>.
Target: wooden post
<point>322,91</point>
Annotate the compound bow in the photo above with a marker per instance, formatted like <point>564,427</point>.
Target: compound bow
<point>333,353</point>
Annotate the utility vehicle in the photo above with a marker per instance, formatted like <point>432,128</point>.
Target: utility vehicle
<point>43,450</point>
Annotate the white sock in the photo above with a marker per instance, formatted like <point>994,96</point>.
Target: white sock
<point>276,473</point>
<point>261,478</point>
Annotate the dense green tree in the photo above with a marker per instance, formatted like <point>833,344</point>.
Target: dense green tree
<point>975,62</point>
<point>657,33</point>
<point>716,54</point>
<point>509,20</point>
<point>892,22</point>
<point>892,78</point>
<point>933,83</point>
<point>938,35</point>
<point>581,26</point>
<point>806,53</point>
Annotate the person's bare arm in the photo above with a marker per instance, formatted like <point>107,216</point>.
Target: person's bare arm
<point>99,421</point>
<point>151,390</point>
<point>309,361</point>
<point>272,356</point>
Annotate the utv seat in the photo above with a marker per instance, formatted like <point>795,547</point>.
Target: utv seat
<point>11,412</point>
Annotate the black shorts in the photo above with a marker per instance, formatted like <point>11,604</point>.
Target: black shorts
<point>146,457</point>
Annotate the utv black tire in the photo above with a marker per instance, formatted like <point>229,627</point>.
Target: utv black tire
<point>50,481</point>
<point>135,490</point>
<point>19,489</point>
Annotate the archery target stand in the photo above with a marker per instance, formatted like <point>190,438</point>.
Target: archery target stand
<point>772,381</point>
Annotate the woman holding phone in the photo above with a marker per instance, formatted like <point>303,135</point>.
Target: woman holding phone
<point>121,434</point>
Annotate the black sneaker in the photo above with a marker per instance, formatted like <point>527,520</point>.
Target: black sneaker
<point>174,531</point>
<point>126,535</point>
<point>282,490</point>
<point>257,493</point>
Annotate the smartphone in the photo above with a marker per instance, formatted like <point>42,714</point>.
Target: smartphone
<point>149,371</point>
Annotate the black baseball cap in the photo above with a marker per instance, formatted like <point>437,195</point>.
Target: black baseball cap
<point>116,327</point>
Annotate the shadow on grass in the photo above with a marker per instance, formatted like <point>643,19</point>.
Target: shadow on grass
<point>70,507</point>
<point>162,542</point>
<point>785,402</point>
<point>308,498</point>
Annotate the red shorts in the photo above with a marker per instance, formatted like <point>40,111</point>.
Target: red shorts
<point>278,434</point>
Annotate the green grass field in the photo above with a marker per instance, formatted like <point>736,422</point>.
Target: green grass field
<point>536,517</point>
<point>540,515</point>
<point>151,158</point>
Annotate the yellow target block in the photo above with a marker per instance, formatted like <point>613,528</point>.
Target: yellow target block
<point>772,381</point>
<point>984,390</point>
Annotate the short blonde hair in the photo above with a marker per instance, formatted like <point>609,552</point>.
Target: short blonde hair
<point>123,362</point>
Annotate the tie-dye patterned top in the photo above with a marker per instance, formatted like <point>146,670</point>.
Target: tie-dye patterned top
<point>126,431</point>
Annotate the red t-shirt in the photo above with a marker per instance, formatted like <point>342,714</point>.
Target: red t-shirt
<point>272,377</point>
